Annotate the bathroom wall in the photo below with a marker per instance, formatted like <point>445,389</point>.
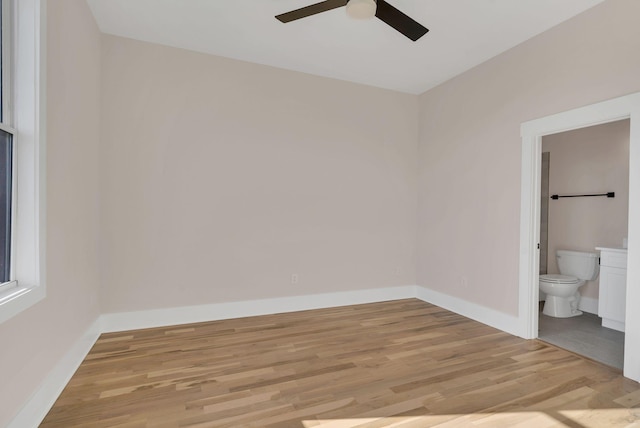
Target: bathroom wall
<point>544,213</point>
<point>589,160</point>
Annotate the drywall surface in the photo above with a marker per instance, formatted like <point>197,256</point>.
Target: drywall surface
<point>229,181</point>
<point>34,341</point>
<point>470,146</point>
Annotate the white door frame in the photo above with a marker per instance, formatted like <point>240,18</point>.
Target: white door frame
<point>626,107</point>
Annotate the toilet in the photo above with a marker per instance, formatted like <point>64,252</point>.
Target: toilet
<point>562,290</point>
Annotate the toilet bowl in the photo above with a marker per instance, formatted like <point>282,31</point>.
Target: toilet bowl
<point>562,296</point>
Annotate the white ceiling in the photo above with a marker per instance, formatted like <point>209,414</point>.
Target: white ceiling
<point>463,33</point>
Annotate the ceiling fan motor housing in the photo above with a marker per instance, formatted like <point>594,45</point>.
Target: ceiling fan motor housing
<point>361,9</point>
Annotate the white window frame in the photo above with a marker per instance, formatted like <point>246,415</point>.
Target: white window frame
<point>6,59</point>
<point>26,107</point>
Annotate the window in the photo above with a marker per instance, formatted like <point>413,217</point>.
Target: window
<point>21,155</point>
<point>6,192</point>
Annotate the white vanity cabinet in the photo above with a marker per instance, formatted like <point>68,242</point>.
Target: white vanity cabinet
<point>613,287</point>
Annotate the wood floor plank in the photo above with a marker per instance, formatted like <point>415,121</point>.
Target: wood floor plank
<point>403,363</point>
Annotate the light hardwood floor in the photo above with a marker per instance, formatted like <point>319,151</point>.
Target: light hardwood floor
<point>403,364</point>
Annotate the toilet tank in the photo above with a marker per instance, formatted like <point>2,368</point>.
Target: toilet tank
<point>582,265</point>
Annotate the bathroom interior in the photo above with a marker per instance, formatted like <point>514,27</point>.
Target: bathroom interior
<point>583,231</point>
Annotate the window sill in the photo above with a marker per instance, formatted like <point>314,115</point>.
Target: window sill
<point>16,299</point>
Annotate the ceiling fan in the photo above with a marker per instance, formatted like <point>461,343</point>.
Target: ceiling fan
<point>363,9</point>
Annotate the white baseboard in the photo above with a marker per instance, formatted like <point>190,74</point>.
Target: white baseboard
<point>218,311</point>
<point>491,317</point>
<point>124,321</point>
<point>614,325</point>
<point>588,304</point>
<point>39,404</point>
<point>37,407</point>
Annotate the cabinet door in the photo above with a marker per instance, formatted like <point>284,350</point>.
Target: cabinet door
<point>613,293</point>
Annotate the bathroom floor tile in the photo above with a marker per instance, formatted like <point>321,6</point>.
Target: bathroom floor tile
<point>584,335</point>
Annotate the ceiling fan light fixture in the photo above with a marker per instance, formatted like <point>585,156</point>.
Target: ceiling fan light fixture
<point>361,9</point>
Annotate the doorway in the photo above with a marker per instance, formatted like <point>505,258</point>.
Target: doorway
<point>581,167</point>
<point>627,107</point>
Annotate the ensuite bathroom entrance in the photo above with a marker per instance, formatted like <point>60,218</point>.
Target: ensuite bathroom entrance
<point>584,209</point>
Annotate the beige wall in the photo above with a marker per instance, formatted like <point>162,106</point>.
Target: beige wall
<point>34,341</point>
<point>224,178</point>
<point>589,160</point>
<point>470,148</point>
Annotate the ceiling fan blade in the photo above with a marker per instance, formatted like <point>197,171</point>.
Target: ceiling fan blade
<point>311,10</point>
<point>398,20</point>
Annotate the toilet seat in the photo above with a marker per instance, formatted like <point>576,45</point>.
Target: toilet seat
<point>559,279</point>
